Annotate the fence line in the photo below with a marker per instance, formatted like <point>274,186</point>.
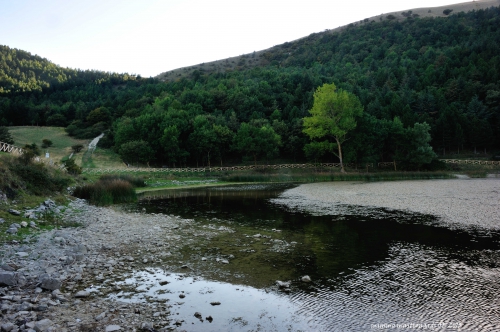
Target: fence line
<point>17,150</point>
<point>472,162</point>
<point>218,169</point>
<point>10,148</point>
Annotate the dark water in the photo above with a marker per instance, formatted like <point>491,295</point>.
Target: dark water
<point>379,269</point>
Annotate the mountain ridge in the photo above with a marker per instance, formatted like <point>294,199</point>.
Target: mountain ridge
<point>257,58</point>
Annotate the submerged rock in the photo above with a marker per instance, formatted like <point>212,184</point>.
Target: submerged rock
<point>283,284</point>
<point>306,278</point>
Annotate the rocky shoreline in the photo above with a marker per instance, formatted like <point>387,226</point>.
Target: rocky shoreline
<point>68,279</point>
<point>47,281</point>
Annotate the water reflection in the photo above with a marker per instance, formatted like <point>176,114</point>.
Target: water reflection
<point>376,267</point>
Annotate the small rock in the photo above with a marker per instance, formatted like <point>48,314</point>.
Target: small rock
<point>163,282</point>
<point>24,224</point>
<point>283,284</point>
<point>14,212</point>
<point>111,328</point>
<point>182,296</point>
<point>82,294</point>
<point>224,261</point>
<point>50,283</point>
<point>22,254</point>
<point>11,230</point>
<point>209,319</point>
<point>215,303</point>
<point>197,315</point>
<point>32,224</point>
<point>257,235</point>
<point>100,316</point>
<point>306,279</point>
<point>147,326</point>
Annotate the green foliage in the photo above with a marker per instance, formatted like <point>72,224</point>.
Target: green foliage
<point>136,152</point>
<point>46,143</point>
<point>72,167</point>
<point>447,11</point>
<point>417,69</point>
<point>333,115</point>
<point>77,148</point>
<point>5,136</point>
<point>257,141</point>
<point>38,179</point>
<point>30,151</point>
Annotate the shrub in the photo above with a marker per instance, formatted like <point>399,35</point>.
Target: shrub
<point>72,167</point>
<point>107,192</point>
<point>447,11</point>
<point>77,148</point>
<point>46,143</point>
<point>39,179</point>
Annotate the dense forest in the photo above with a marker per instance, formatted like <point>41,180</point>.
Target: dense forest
<point>420,81</point>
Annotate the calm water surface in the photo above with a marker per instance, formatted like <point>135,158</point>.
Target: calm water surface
<point>368,271</point>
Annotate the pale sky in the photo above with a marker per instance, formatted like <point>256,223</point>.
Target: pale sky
<point>148,37</point>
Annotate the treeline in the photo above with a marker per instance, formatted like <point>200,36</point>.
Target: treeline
<point>437,76</point>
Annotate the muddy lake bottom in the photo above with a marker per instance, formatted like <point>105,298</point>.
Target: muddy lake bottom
<point>370,268</point>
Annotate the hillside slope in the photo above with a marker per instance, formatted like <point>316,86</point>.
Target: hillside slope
<point>260,58</point>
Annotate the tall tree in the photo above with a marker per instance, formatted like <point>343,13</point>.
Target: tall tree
<point>333,115</point>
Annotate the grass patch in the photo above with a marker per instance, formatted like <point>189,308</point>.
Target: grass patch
<point>61,141</point>
<point>102,158</point>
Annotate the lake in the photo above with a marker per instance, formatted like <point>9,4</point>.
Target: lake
<point>371,269</point>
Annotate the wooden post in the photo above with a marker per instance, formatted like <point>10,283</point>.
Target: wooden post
<point>395,166</point>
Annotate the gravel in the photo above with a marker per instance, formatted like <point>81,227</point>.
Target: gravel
<point>48,282</point>
<point>457,202</point>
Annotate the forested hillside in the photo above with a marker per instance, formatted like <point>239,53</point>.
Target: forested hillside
<point>420,76</point>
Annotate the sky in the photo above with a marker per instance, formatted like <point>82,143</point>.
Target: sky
<point>148,37</point>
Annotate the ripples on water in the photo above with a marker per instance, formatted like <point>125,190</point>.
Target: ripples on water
<point>369,267</point>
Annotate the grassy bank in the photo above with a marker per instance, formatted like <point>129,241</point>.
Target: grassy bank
<point>27,185</point>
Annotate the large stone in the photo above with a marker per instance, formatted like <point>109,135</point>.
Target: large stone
<point>7,327</point>
<point>7,278</point>
<point>7,267</point>
<point>43,325</point>
<point>51,283</point>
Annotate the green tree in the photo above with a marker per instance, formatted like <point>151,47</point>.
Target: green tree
<point>136,151</point>
<point>257,142</point>
<point>5,136</point>
<point>203,138</point>
<point>333,115</point>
